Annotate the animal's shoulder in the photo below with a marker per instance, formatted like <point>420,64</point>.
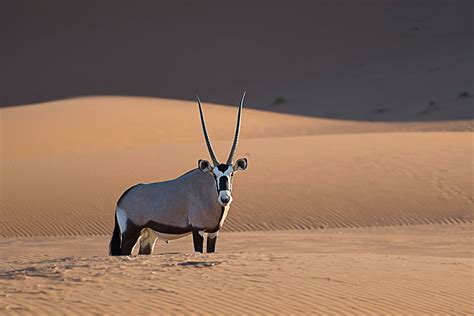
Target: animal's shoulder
<point>127,192</point>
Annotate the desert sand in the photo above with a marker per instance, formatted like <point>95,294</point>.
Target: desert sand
<point>422,270</point>
<point>331,216</point>
<point>358,128</point>
<point>72,167</point>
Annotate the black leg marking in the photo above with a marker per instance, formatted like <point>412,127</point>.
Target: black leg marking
<point>115,241</point>
<point>145,250</point>
<point>147,242</point>
<point>198,241</point>
<point>211,244</point>
<point>129,238</point>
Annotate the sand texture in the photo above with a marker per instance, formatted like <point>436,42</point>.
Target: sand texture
<point>413,270</point>
<point>308,179</point>
<point>331,217</point>
<point>357,126</point>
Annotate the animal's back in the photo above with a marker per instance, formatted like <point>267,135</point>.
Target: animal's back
<point>166,202</point>
<point>158,202</point>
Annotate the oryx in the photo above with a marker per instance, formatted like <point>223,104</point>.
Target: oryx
<point>197,202</point>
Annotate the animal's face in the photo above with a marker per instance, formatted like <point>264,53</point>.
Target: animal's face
<point>223,174</point>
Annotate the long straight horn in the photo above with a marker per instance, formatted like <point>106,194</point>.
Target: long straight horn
<point>237,132</point>
<point>206,136</point>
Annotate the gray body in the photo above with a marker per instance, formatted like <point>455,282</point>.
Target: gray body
<point>197,202</point>
<point>187,201</point>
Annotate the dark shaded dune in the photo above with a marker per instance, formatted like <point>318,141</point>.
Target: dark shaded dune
<point>324,59</point>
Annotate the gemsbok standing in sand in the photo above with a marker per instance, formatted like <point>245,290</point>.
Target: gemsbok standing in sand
<point>197,202</point>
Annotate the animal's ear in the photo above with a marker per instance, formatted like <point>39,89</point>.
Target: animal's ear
<point>241,164</point>
<point>204,165</point>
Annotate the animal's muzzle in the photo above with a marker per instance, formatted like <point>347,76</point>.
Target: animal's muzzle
<point>224,197</point>
<point>223,189</point>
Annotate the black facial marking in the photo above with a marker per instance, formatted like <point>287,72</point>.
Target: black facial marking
<point>222,167</point>
<point>223,183</point>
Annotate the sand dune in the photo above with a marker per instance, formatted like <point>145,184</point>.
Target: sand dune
<point>297,239</point>
<point>372,179</point>
<point>363,271</point>
<point>101,123</point>
<point>358,128</point>
<point>68,181</point>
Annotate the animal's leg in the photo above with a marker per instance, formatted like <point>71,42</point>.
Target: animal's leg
<point>147,242</point>
<point>129,238</point>
<point>147,246</point>
<point>211,242</point>
<point>198,240</point>
<point>115,241</point>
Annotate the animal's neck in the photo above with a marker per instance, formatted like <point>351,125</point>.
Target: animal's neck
<point>208,212</point>
<point>204,187</point>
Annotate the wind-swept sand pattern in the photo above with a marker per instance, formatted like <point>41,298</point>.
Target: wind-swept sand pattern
<point>372,180</point>
<point>91,124</point>
<point>331,217</point>
<point>358,128</point>
<point>392,271</point>
<point>308,179</point>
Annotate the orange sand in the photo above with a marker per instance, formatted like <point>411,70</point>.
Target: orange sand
<point>65,163</point>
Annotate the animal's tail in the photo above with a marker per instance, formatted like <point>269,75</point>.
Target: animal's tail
<point>114,247</point>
